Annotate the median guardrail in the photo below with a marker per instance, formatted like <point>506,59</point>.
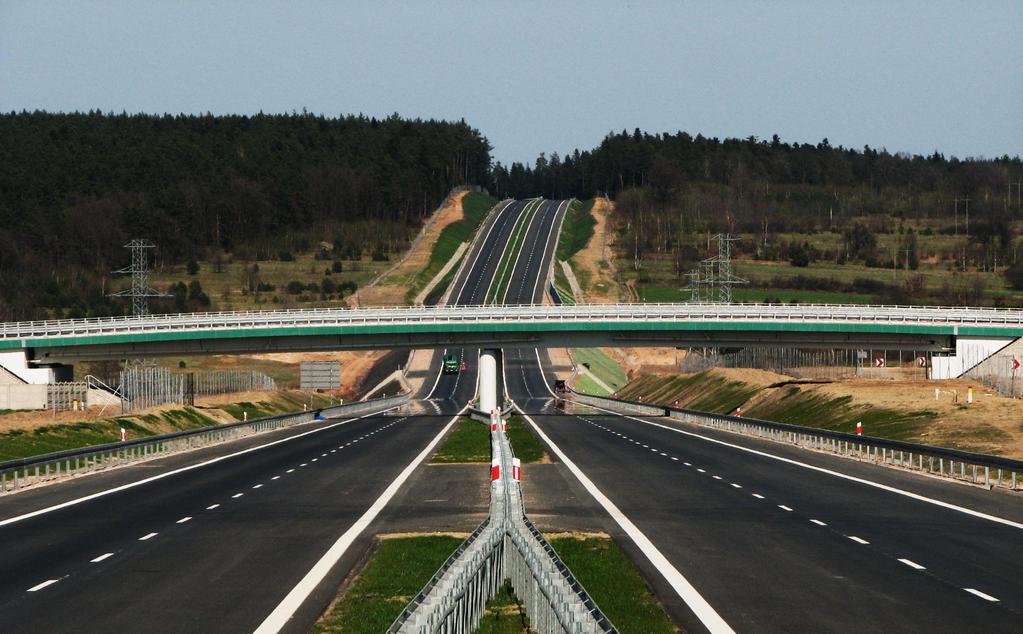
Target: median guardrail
<point>975,468</point>
<point>505,546</point>
<point>18,474</point>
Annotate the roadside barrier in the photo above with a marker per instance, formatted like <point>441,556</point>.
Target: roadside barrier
<point>505,546</point>
<point>18,474</point>
<point>974,468</point>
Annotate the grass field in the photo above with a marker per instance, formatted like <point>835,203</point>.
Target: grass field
<point>474,208</point>
<point>576,230</point>
<point>469,441</point>
<point>395,573</point>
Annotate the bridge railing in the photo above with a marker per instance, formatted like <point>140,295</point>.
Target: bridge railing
<point>505,545</point>
<point>975,468</point>
<point>26,472</point>
<point>838,313</point>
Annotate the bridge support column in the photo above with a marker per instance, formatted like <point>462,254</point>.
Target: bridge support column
<point>488,380</point>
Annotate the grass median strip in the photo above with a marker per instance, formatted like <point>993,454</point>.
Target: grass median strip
<point>469,441</point>
<point>511,252</point>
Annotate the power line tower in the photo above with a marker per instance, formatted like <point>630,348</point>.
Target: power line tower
<point>140,291</point>
<point>715,273</point>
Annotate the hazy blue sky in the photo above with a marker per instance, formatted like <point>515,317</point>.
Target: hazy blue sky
<point>909,76</point>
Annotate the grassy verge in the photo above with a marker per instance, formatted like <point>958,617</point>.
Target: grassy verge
<point>397,571</point>
<point>474,209</point>
<point>576,230</point>
<point>469,441</point>
<point>602,365</point>
<point>587,385</point>
<point>511,253</point>
<point>23,443</point>
<point>614,583</point>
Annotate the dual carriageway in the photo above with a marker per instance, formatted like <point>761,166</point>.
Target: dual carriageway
<point>732,533</point>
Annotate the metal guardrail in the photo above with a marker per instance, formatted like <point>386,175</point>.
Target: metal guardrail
<point>976,468</point>
<point>505,545</point>
<point>18,474</point>
<point>578,313</point>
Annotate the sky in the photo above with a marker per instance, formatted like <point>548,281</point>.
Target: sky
<point>537,77</point>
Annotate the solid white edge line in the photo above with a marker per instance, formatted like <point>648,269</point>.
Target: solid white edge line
<point>48,582</point>
<point>130,485</point>
<point>277,619</point>
<point>703,610</point>
<point>982,595</point>
<point>101,558</point>
<point>912,564</point>
<point>837,474</point>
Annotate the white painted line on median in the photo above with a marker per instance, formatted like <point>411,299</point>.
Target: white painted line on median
<point>820,523</point>
<point>147,537</point>
<point>167,474</point>
<point>183,519</point>
<point>912,564</point>
<point>703,610</point>
<point>212,506</point>
<point>48,582</point>
<point>280,616</point>
<point>837,474</point>
<point>858,540</point>
<point>101,558</point>
<point>784,508</point>
<point>973,591</point>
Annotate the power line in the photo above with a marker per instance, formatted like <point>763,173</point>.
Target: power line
<point>715,273</point>
<point>140,291</point>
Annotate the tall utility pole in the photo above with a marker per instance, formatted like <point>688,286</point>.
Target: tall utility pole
<point>140,291</point>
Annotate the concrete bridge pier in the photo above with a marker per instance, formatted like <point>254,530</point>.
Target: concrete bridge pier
<point>488,380</point>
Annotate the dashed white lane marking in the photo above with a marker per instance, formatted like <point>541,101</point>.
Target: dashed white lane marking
<point>858,540</point>
<point>333,451</point>
<point>323,455</point>
<point>257,486</point>
<point>701,470</point>
<point>167,474</point>
<point>912,564</point>
<point>289,471</point>
<point>148,537</point>
<point>758,496</point>
<point>663,454</point>
<point>982,595</point>
<point>183,519</point>
<point>830,472</point>
<point>237,495</point>
<point>682,586</point>
<point>819,523</point>
<point>674,458</point>
<point>277,619</point>
<point>785,508</point>
<point>304,464</point>
<point>275,477</point>
<point>101,558</point>
<point>48,582</point>
<point>737,486</point>
<point>211,507</point>
<point>687,464</point>
<point>315,459</point>
<point>717,477</point>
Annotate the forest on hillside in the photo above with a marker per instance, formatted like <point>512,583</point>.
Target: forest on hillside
<point>76,187</point>
<point>673,191</point>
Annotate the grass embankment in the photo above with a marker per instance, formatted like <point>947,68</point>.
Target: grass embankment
<point>603,366</point>
<point>576,232</point>
<point>401,566</point>
<point>793,404</point>
<point>397,571</point>
<point>503,274</point>
<point>23,443</point>
<point>474,208</point>
<point>469,441</point>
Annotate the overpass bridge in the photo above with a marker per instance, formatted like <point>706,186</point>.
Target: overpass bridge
<point>949,331</point>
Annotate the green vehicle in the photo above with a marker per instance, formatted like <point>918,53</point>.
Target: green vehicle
<point>452,364</point>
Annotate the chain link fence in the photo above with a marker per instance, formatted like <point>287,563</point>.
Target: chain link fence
<point>1000,373</point>
<point>811,364</point>
<point>144,386</point>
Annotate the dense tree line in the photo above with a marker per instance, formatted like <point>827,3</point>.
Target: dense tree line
<point>673,190</point>
<point>75,187</point>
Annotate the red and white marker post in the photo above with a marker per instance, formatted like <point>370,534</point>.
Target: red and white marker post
<point>738,412</point>
<point>495,470</point>
<point>516,470</point>
<point>124,434</point>
<point>859,428</point>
